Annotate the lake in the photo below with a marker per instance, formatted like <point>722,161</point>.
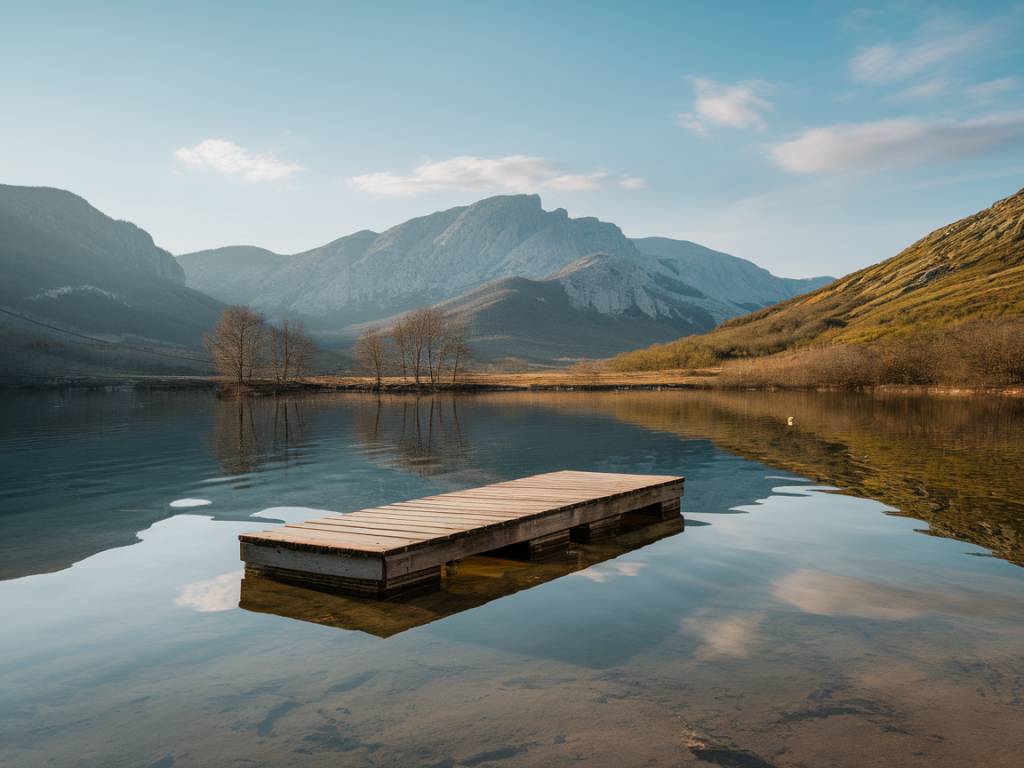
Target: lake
<point>846,591</point>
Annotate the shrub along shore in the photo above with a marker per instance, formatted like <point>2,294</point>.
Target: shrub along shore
<point>977,354</point>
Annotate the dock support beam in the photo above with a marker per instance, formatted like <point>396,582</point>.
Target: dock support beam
<point>537,548</point>
<point>597,530</point>
<point>665,510</point>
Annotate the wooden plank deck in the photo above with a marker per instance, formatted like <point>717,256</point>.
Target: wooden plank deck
<point>388,549</point>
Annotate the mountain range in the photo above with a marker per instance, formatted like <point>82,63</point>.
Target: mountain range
<point>530,283</point>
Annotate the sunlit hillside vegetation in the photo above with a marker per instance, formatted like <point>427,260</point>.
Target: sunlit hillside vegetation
<point>945,310</point>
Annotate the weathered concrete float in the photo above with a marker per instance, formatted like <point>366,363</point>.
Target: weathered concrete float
<point>383,551</point>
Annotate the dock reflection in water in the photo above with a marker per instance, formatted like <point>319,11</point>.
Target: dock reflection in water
<point>470,583</point>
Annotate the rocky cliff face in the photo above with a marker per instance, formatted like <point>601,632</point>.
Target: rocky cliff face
<point>596,307</point>
<point>616,285</point>
<point>421,261</point>
<point>740,282</point>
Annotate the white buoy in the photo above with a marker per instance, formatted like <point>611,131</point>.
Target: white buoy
<point>789,421</point>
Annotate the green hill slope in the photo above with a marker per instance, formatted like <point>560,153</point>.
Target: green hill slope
<point>970,270</point>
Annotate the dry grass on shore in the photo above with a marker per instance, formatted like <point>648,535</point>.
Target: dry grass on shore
<point>978,354</point>
<point>590,376</point>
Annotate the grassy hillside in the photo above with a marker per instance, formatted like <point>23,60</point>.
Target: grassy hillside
<point>972,270</point>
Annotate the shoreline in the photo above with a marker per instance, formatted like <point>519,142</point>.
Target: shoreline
<point>546,381</point>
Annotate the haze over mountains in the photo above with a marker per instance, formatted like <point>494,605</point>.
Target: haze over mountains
<point>67,264</point>
<point>530,283</point>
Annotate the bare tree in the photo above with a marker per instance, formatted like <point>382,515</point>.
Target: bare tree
<point>291,352</point>
<point>411,334</point>
<point>432,325</point>
<point>372,353</point>
<point>401,335</point>
<point>417,322</point>
<point>457,352</point>
<point>236,344</point>
<point>428,342</point>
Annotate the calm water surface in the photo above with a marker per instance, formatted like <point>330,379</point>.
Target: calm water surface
<point>847,591</point>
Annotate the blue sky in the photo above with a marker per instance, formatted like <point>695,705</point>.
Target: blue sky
<point>810,137</point>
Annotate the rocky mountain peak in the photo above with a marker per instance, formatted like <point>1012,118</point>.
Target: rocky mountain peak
<point>590,264</point>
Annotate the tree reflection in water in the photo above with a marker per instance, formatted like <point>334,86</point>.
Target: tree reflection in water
<point>418,433</point>
<point>248,432</point>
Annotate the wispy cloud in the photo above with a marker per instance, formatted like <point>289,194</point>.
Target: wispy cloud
<point>990,88</point>
<point>575,182</point>
<point>897,142</point>
<point>923,90</point>
<point>732,106</point>
<point>887,62</point>
<point>633,182</point>
<point>224,156</point>
<point>513,173</point>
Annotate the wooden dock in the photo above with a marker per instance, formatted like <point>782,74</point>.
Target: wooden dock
<point>385,550</point>
<point>476,581</point>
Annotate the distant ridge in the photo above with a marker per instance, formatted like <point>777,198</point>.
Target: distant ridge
<point>67,265</point>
